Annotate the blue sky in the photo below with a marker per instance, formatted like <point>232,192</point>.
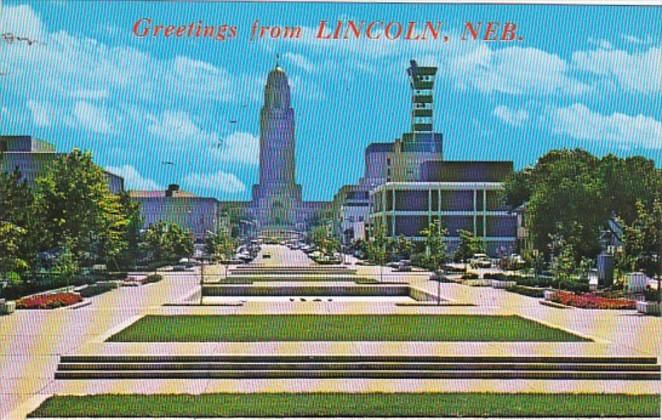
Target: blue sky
<point>586,77</point>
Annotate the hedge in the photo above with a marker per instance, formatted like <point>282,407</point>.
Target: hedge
<point>527,291</point>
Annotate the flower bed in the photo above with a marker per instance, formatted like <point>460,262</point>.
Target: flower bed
<point>588,301</point>
<point>50,301</point>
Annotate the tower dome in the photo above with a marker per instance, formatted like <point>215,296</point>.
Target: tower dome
<point>277,90</point>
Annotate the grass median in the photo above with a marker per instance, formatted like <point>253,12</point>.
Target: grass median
<point>352,405</point>
<point>245,328</point>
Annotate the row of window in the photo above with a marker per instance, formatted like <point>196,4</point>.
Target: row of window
<point>434,200</point>
<point>490,226</point>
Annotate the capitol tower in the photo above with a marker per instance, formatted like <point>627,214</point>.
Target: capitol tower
<point>277,197</point>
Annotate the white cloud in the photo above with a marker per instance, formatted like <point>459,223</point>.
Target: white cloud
<point>625,131</point>
<point>511,116</point>
<point>636,40</point>
<point>133,180</point>
<point>219,181</point>
<point>22,21</point>
<point>515,71</point>
<point>89,117</point>
<point>636,71</point>
<point>240,147</point>
<point>601,43</point>
<point>41,113</point>
<point>175,126</point>
<point>300,61</point>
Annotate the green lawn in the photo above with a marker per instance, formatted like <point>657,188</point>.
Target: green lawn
<point>201,328</point>
<point>355,405</point>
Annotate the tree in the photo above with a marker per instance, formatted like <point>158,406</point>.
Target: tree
<point>470,244</point>
<point>563,259</point>
<point>404,247</point>
<point>220,246</point>
<point>377,248</point>
<point>128,258</point>
<point>580,192</point>
<point>435,246</point>
<point>17,208</point>
<point>164,241</point>
<point>642,244</point>
<point>74,201</point>
<point>11,237</point>
<point>324,240</point>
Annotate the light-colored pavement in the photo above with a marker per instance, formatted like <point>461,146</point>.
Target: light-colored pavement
<point>32,341</point>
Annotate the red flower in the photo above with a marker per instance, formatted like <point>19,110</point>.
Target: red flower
<point>589,301</point>
<point>49,301</point>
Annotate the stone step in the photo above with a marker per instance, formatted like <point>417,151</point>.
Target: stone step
<point>358,374</point>
<point>357,366</point>
<point>215,358</point>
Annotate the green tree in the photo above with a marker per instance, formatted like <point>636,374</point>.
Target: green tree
<point>66,266</point>
<point>128,257</point>
<point>563,259</point>
<point>470,244</point>
<point>11,237</point>
<point>164,241</point>
<point>17,208</point>
<point>74,201</point>
<point>435,245</point>
<point>221,247</point>
<point>642,244</point>
<point>404,247</point>
<point>377,248</point>
<point>325,242</point>
<point>579,192</point>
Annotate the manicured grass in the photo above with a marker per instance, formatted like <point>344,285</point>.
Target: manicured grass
<point>210,328</point>
<point>354,405</point>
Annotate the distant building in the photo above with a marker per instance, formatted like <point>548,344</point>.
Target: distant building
<point>32,158</point>
<point>199,215</point>
<point>277,206</point>
<point>351,205</point>
<point>463,195</point>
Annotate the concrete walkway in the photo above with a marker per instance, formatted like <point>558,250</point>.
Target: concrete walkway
<point>32,341</point>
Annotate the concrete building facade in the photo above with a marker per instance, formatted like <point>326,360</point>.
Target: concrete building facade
<point>32,157</point>
<point>199,215</point>
<point>462,195</point>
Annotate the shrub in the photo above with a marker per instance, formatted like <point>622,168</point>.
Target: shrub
<point>469,276</point>
<point>153,278</point>
<point>650,294</point>
<point>494,276</point>
<point>50,301</point>
<point>477,283</point>
<point>589,301</point>
<point>527,291</point>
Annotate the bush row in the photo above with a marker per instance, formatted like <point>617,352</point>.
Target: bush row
<point>540,281</point>
<point>527,291</point>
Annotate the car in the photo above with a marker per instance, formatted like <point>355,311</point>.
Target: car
<point>266,255</point>
<point>404,265</point>
<point>480,261</point>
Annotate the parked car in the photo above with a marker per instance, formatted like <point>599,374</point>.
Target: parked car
<point>404,265</point>
<point>480,261</point>
<point>512,262</point>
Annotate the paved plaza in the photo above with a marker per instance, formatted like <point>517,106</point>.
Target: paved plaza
<point>32,341</point>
